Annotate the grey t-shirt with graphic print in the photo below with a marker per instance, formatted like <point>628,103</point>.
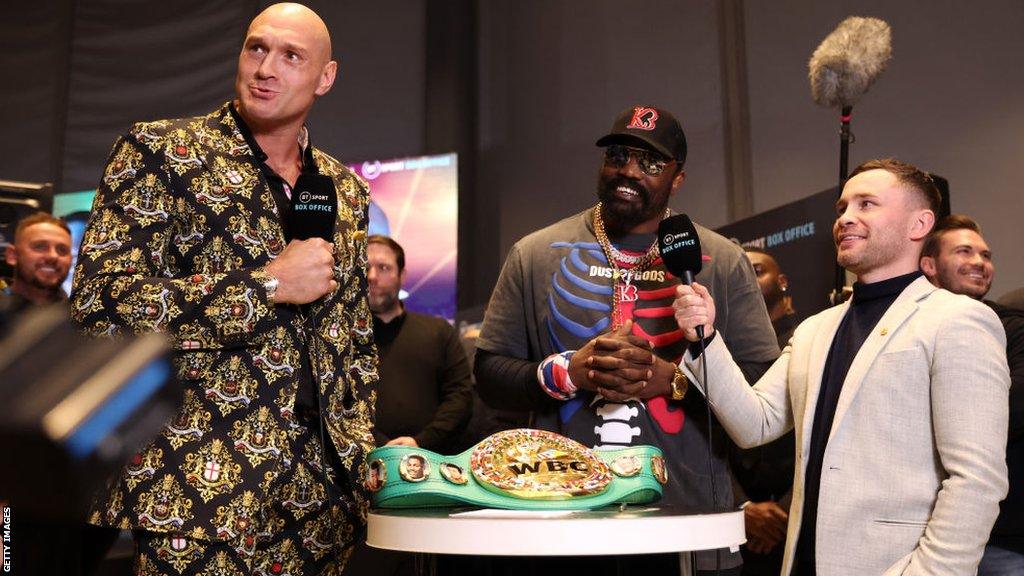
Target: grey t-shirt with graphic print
<point>555,294</point>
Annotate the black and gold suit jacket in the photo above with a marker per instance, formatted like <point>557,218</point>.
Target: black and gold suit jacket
<point>182,225</point>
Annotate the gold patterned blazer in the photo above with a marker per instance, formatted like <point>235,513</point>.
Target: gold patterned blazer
<point>182,224</point>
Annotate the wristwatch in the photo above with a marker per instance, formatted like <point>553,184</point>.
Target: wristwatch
<point>270,283</point>
<point>680,384</point>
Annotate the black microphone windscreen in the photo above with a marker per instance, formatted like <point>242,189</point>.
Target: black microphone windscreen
<point>313,209</point>
<point>849,59</point>
<point>680,246</point>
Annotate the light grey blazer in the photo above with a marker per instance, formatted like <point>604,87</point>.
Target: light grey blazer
<point>915,464</point>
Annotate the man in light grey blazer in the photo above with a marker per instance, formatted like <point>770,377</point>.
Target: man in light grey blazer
<point>898,398</point>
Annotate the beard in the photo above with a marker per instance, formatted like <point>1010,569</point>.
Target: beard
<point>951,279</point>
<point>773,296</point>
<point>881,249</point>
<point>620,215</point>
<point>45,282</point>
<point>383,302</point>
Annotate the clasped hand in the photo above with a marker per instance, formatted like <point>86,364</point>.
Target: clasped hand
<point>766,525</point>
<point>620,365</point>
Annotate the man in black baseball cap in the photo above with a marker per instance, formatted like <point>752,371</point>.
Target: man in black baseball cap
<point>643,168</point>
<point>579,328</point>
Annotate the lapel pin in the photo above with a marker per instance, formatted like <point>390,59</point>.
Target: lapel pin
<point>885,331</point>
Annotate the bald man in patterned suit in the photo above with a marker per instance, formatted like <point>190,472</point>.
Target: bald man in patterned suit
<point>260,471</point>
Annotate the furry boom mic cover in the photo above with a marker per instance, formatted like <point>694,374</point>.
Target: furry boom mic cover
<point>848,61</point>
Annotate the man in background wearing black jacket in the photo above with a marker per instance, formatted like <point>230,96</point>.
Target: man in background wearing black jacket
<point>425,395</point>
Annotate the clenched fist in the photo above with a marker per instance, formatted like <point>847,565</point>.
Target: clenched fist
<point>694,307</point>
<point>304,271</point>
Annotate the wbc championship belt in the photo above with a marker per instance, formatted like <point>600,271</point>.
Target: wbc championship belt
<point>521,469</point>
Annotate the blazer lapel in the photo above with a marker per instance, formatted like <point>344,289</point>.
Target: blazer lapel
<point>262,202</point>
<point>897,314</point>
<point>815,368</point>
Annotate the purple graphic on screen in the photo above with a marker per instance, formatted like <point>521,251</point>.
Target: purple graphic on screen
<point>415,201</point>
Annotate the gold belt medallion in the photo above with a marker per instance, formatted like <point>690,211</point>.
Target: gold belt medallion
<point>538,465</point>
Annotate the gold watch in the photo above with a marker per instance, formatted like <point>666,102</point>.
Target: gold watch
<point>680,384</point>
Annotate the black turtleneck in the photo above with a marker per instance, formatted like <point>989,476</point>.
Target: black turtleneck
<point>868,304</point>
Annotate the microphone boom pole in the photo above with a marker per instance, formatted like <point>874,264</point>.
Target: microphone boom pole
<point>845,138</point>
<point>840,71</point>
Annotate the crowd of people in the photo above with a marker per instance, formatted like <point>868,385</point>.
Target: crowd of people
<point>879,436</point>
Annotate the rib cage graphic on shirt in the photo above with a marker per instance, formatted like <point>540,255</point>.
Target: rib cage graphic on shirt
<point>579,308</point>
<point>589,296</point>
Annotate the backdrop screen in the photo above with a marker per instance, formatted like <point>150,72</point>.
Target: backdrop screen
<point>799,236</point>
<point>416,202</point>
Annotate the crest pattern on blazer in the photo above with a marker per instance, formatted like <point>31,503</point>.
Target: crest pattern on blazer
<point>182,225</point>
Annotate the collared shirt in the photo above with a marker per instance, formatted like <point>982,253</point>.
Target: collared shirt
<point>305,396</point>
<point>282,189</point>
<point>13,305</point>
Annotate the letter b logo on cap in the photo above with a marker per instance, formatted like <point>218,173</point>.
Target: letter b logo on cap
<point>643,118</point>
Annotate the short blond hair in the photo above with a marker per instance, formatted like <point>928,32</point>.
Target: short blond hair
<point>39,218</point>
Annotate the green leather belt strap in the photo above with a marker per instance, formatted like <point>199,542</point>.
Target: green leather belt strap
<point>516,469</point>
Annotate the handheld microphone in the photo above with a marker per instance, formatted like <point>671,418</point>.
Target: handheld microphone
<point>849,59</point>
<point>680,250</point>
<point>313,210</point>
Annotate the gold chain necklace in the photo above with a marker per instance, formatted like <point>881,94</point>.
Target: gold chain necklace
<point>611,253</point>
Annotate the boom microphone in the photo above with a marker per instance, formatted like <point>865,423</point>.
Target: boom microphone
<point>313,209</point>
<point>680,250</point>
<point>841,70</point>
<point>849,59</point>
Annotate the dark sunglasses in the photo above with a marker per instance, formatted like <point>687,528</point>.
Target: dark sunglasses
<point>651,163</point>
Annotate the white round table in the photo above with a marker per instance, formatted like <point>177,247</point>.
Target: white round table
<point>637,530</point>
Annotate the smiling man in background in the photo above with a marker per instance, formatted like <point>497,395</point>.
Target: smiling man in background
<point>41,258</point>
<point>957,258</point>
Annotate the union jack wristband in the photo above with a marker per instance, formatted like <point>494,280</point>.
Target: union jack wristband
<point>553,376</point>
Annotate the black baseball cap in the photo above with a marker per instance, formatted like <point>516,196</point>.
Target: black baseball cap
<point>648,127</point>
